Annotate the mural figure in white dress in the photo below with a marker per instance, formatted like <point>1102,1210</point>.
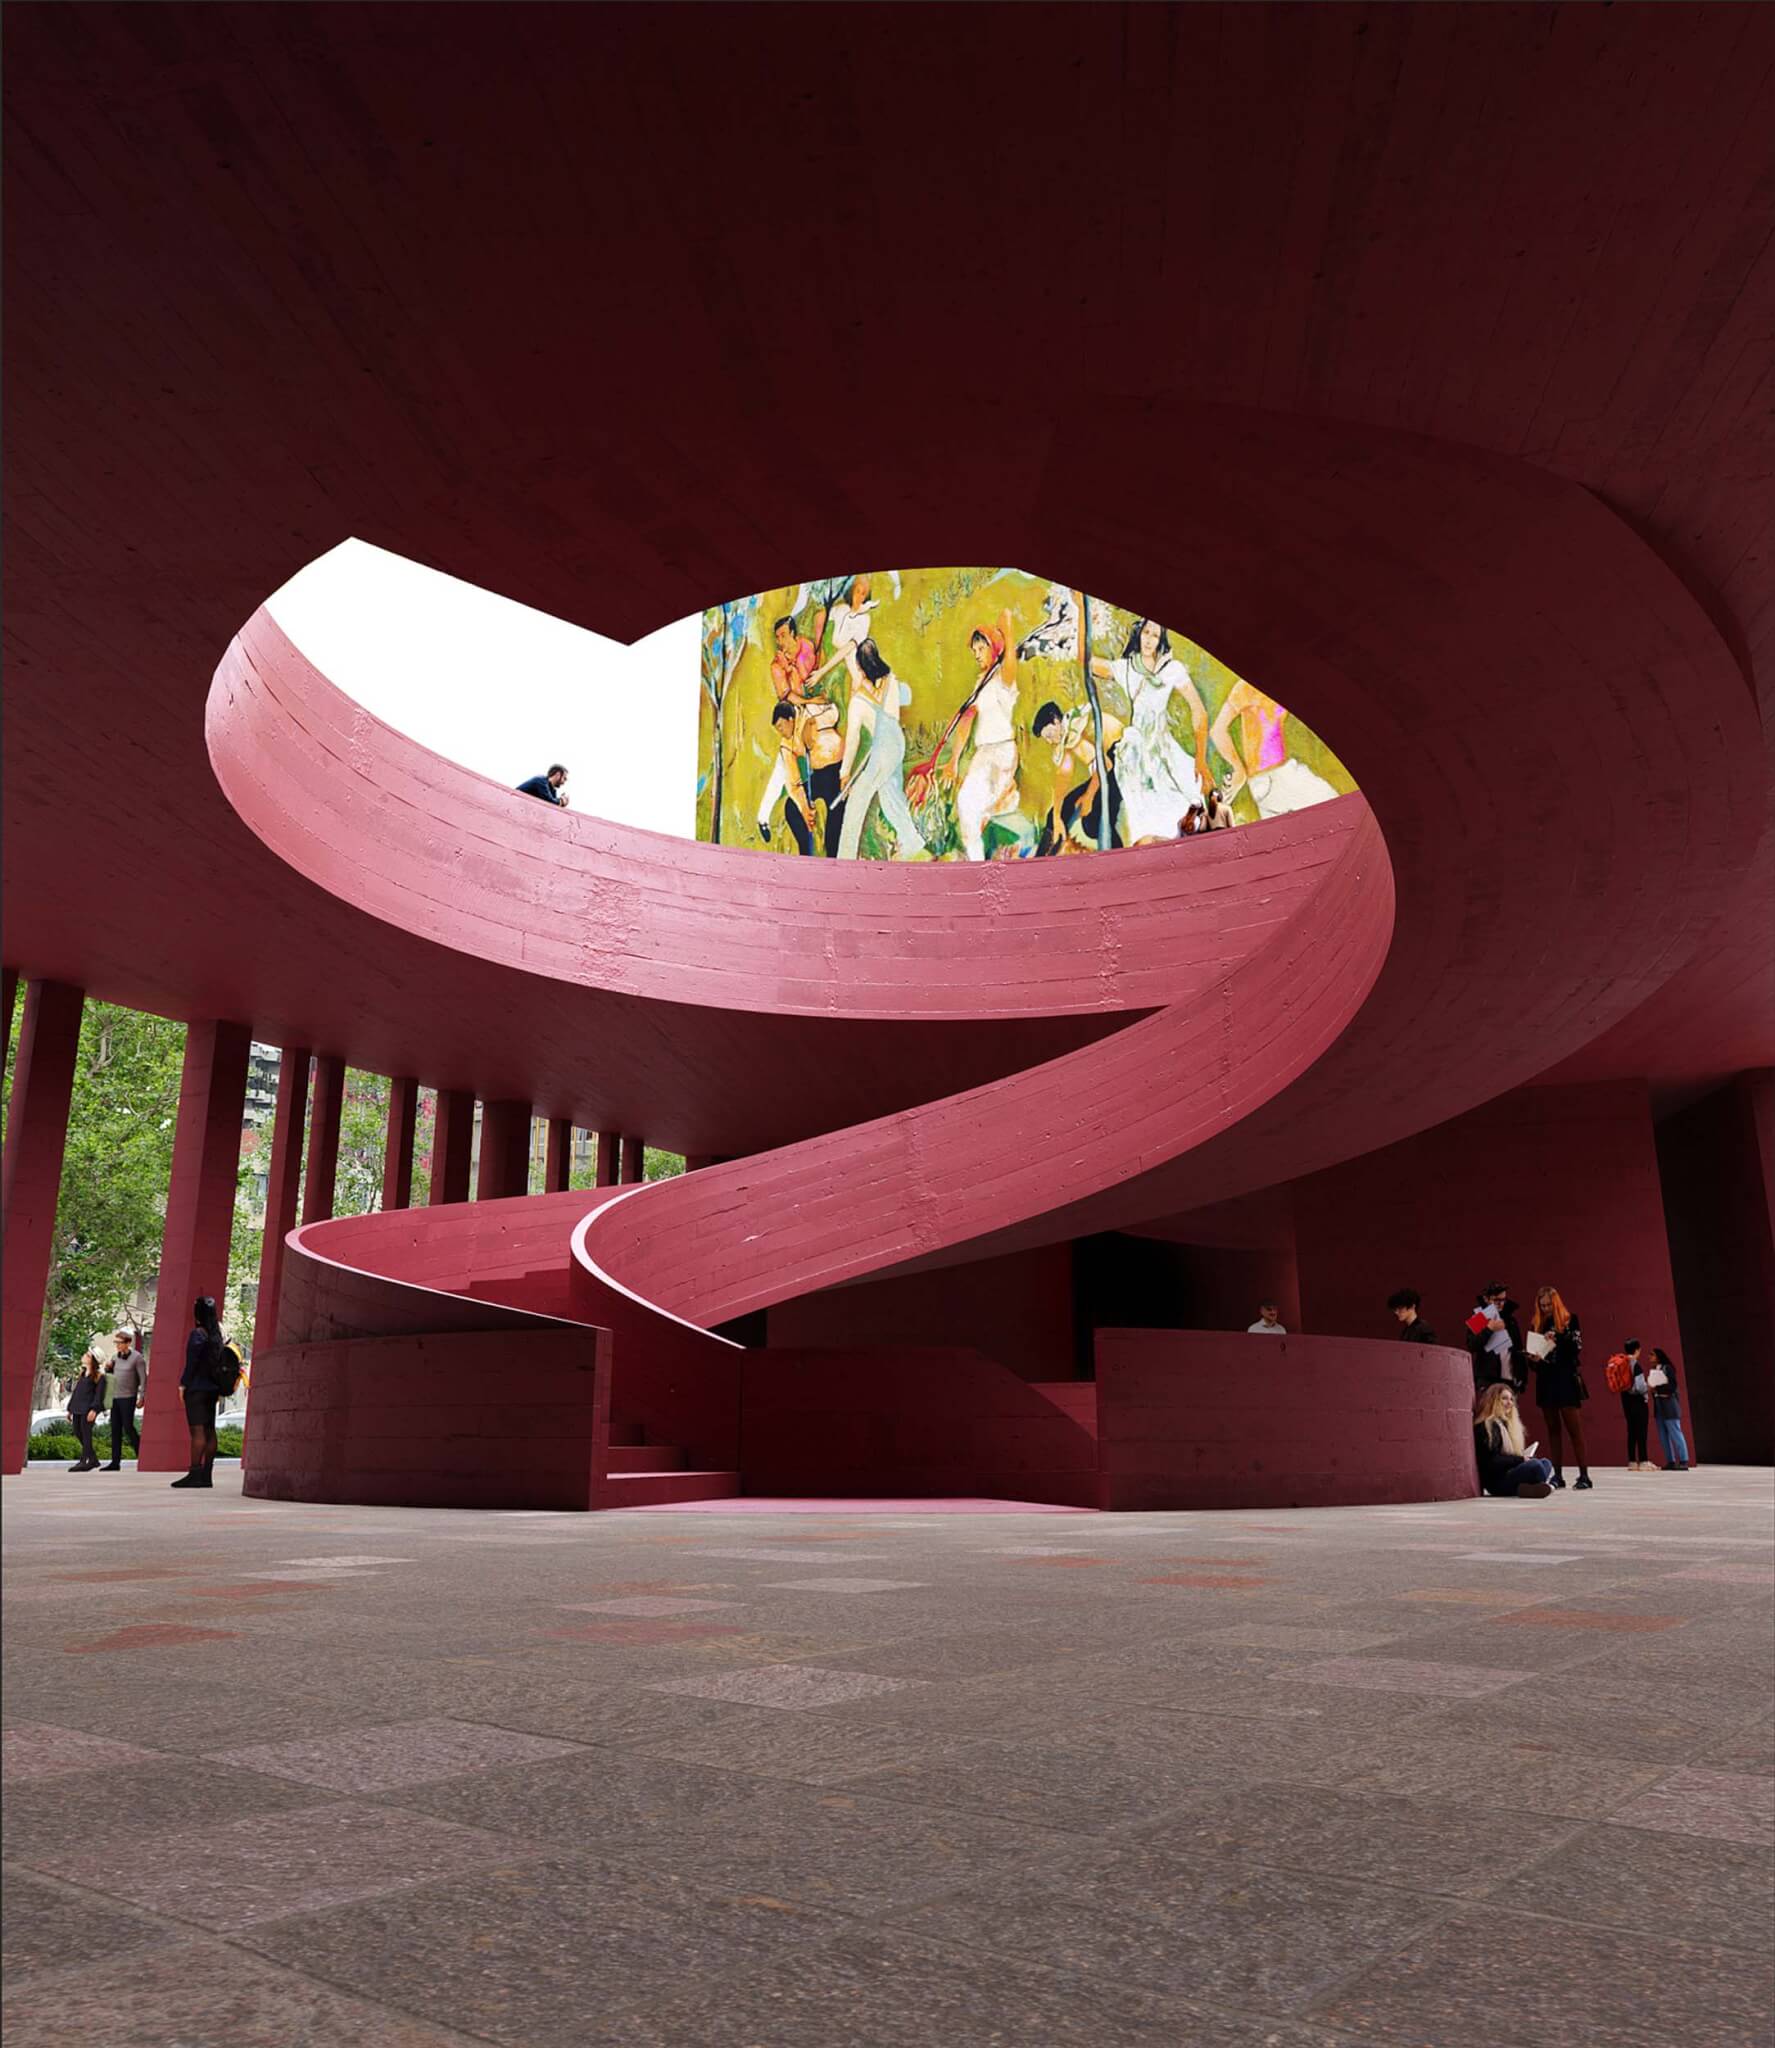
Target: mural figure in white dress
<point>1160,781</point>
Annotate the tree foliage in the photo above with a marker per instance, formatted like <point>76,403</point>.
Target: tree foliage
<point>111,1213</point>
<point>658,1165</point>
<point>726,630</point>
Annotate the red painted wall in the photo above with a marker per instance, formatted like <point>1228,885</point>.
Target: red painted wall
<point>1015,1310</point>
<point>1545,1185</point>
<point>939,1422</point>
<point>1206,1419</point>
<point>433,1421</point>
<point>1716,1161</point>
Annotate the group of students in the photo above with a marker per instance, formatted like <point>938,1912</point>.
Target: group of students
<point>212,1372</point>
<point>1554,1347</point>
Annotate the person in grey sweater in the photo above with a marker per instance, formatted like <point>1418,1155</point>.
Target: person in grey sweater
<point>129,1382</point>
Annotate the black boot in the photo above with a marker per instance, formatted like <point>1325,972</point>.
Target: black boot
<point>192,1478</point>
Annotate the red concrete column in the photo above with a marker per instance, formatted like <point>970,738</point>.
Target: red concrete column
<point>452,1140</point>
<point>283,1189</point>
<point>199,1224</point>
<point>397,1155</point>
<point>634,1159</point>
<point>557,1165</point>
<point>30,1183</point>
<point>694,1162</point>
<point>609,1147</point>
<point>505,1151</point>
<point>323,1138</point>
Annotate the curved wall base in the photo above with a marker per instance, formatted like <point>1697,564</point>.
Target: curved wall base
<point>1214,1419</point>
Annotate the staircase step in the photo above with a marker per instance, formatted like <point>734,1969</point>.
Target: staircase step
<point>645,1458</point>
<point>1076,1399</point>
<point>660,1489</point>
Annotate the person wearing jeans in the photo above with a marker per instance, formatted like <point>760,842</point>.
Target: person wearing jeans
<point>129,1379</point>
<point>1505,1466</point>
<point>1667,1413</point>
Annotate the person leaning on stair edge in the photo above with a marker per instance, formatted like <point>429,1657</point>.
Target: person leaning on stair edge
<point>199,1388</point>
<point>1412,1327</point>
<point>129,1382</point>
<point>552,787</point>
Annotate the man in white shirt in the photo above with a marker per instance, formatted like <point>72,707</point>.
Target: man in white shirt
<point>1269,1321</point>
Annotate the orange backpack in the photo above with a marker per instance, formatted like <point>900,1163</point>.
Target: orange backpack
<point>1619,1373</point>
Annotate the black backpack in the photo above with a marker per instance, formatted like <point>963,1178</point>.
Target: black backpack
<point>226,1367</point>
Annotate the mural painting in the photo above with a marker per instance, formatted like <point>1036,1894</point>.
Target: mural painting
<point>979,714</point>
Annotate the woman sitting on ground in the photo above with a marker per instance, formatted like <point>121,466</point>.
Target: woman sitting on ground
<point>1505,1466</point>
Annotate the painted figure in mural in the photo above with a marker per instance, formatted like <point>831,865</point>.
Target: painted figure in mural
<point>989,789</point>
<point>823,596</point>
<point>850,628</point>
<point>820,598</point>
<point>793,662</point>
<point>1260,758</point>
<point>802,732</point>
<point>1057,637</point>
<point>879,777</point>
<point>1075,814</point>
<point>1160,783</point>
<point>791,677</point>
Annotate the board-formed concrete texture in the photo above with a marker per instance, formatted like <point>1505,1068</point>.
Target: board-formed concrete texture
<point>1473,483</point>
<point>869,1588</point>
<point>443,1778</point>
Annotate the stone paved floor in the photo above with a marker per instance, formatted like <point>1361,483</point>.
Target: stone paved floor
<point>1482,1772</point>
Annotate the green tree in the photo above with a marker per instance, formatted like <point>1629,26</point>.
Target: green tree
<point>657,1165</point>
<point>363,1139</point>
<point>111,1212</point>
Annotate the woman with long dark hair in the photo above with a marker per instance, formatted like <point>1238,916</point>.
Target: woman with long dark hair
<point>1160,782</point>
<point>1559,1381</point>
<point>200,1391</point>
<point>878,780</point>
<point>1667,1411</point>
<point>85,1399</point>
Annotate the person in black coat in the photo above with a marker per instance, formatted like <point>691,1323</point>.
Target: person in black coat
<point>85,1400</point>
<point>1559,1381</point>
<point>1636,1407</point>
<point>200,1390</point>
<point>1497,1349</point>
<point>1405,1304</point>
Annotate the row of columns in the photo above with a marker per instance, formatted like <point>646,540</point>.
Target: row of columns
<point>200,1199</point>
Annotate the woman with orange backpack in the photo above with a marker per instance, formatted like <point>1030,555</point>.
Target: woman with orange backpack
<point>1627,1377</point>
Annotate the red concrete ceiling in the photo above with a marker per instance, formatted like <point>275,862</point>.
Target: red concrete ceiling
<point>619,310</point>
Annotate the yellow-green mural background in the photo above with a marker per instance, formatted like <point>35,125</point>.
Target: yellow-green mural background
<point>922,621</point>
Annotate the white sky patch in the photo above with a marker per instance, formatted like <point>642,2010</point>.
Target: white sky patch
<point>505,690</point>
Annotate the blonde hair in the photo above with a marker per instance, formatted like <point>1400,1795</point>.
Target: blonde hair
<point>1508,1421</point>
<point>1559,1316</point>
